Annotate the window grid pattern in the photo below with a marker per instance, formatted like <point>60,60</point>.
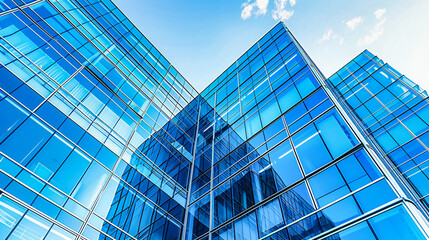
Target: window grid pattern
<point>98,116</point>
<point>256,173</point>
<point>392,110</point>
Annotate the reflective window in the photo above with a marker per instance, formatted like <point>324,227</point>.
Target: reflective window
<point>10,214</point>
<point>328,136</point>
<point>71,171</point>
<point>284,162</point>
<point>14,117</point>
<point>50,157</point>
<point>395,224</point>
<point>24,143</point>
<point>90,184</point>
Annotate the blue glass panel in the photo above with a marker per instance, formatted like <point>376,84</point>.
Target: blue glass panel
<point>245,227</point>
<point>328,186</point>
<point>253,124</point>
<point>90,144</point>
<point>8,166</point>
<point>70,171</point>
<point>50,157</point>
<point>306,84</point>
<point>14,117</point>
<point>108,196</point>
<point>11,213</point>
<point>71,130</point>
<point>285,164</point>
<point>27,96</point>
<point>8,81</point>
<point>395,224</point>
<point>335,133</point>
<point>307,142</point>
<point>26,140</point>
<point>358,170</point>
<point>30,181</point>
<point>58,233</point>
<point>357,232</point>
<point>269,112</point>
<point>342,211</point>
<point>47,207</point>
<point>107,157</point>
<point>21,192</point>
<point>415,124</point>
<point>288,98</point>
<point>270,217</point>
<point>418,176</point>
<point>90,185</point>
<point>400,134</point>
<point>51,114</point>
<point>31,227</point>
<point>374,196</point>
<point>70,221</point>
<point>386,142</point>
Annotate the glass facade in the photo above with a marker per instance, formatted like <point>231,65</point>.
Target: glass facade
<point>102,138</point>
<point>394,112</point>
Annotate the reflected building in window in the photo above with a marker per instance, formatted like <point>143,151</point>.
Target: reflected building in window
<point>102,138</point>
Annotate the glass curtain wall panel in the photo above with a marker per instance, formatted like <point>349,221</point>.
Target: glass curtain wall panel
<point>97,128</point>
<point>279,157</point>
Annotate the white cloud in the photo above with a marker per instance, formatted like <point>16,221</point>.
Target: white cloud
<point>354,22</point>
<point>331,35</point>
<point>377,31</point>
<point>327,35</point>
<point>247,11</point>
<point>262,6</point>
<point>379,13</point>
<point>280,12</point>
<point>258,7</point>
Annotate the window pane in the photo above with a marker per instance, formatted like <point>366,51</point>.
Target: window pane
<point>307,142</point>
<point>335,133</point>
<point>26,140</point>
<point>90,185</point>
<point>31,227</point>
<point>15,116</point>
<point>358,232</point>
<point>71,171</point>
<point>10,213</point>
<point>52,155</point>
<point>284,163</point>
<point>395,224</point>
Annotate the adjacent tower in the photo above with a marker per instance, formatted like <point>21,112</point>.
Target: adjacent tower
<point>284,159</point>
<point>393,112</point>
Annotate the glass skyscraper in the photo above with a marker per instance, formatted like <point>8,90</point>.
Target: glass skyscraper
<point>394,112</point>
<point>102,138</point>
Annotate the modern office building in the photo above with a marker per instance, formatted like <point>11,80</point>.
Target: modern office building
<point>393,111</point>
<point>102,138</point>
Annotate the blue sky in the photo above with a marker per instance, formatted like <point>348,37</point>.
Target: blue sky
<point>202,38</point>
